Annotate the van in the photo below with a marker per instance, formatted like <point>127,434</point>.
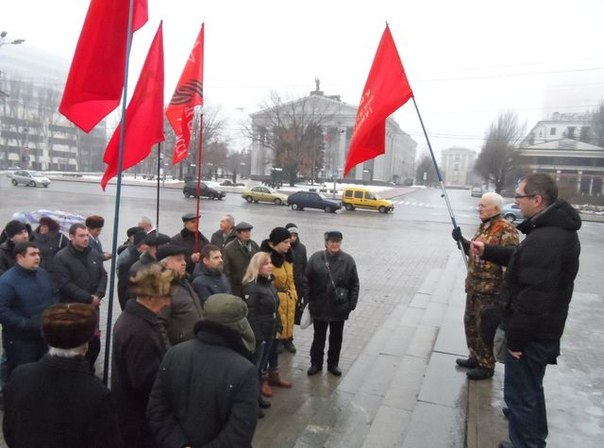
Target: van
<point>359,197</point>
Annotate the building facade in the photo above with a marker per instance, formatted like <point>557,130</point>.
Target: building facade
<point>457,165</point>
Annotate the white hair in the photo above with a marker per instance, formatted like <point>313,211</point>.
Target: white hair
<point>68,352</point>
<point>494,198</point>
<point>146,220</point>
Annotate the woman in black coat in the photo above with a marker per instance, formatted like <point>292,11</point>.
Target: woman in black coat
<point>263,310</point>
<point>49,239</point>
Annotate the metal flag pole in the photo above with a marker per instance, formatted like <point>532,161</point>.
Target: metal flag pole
<point>159,159</point>
<point>440,179</point>
<point>199,151</point>
<point>118,192</point>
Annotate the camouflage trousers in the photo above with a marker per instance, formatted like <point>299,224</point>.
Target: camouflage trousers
<point>480,350</point>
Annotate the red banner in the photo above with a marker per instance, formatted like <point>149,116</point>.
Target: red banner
<point>386,90</point>
<point>188,94</point>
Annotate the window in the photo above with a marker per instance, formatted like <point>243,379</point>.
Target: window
<point>358,194</point>
<point>552,131</point>
<point>348,194</point>
<point>570,132</point>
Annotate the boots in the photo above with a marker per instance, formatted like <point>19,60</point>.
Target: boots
<point>288,344</point>
<point>274,379</point>
<point>266,388</point>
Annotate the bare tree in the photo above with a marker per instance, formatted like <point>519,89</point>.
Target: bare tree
<point>425,173</point>
<point>497,161</point>
<point>597,125</point>
<point>293,130</point>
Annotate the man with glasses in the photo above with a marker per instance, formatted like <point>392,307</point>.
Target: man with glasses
<point>538,286</point>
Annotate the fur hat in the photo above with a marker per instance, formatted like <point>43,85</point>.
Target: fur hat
<point>230,311</point>
<point>68,325</point>
<point>14,227</point>
<point>52,225</point>
<point>95,222</point>
<point>333,235</point>
<point>278,235</point>
<point>152,282</point>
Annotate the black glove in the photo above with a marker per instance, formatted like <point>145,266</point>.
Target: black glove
<point>456,234</point>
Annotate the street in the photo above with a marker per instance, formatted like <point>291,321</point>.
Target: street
<point>395,253</point>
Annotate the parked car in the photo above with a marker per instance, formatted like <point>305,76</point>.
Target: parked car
<point>476,192</point>
<point>264,194</point>
<point>190,189</point>
<point>310,199</point>
<point>360,197</point>
<point>29,178</point>
<point>512,212</point>
<point>230,183</point>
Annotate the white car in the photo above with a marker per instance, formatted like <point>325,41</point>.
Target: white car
<point>29,178</point>
<point>512,212</point>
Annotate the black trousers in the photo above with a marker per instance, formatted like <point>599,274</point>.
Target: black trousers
<point>336,330</point>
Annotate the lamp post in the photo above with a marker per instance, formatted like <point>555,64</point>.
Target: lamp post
<point>5,41</point>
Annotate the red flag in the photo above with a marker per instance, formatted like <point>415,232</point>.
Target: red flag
<point>144,115</point>
<point>188,94</point>
<point>386,90</point>
<point>96,77</point>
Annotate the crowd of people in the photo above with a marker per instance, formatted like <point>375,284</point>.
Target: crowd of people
<point>195,350</point>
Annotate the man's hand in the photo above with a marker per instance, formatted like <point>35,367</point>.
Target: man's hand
<point>96,300</point>
<point>477,248</point>
<point>516,355</point>
<point>195,257</point>
<point>456,234</point>
<point>106,256</point>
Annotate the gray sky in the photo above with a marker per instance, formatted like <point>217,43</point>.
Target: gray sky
<point>466,61</point>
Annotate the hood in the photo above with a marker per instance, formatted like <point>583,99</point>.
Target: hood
<point>560,214</point>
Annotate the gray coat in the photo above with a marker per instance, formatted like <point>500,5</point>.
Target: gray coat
<point>177,321</point>
<point>236,259</point>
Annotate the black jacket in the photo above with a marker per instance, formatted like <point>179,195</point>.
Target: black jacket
<point>539,280</point>
<point>7,257</point>
<point>320,291</point>
<point>262,308</point>
<point>220,407</point>
<point>218,239</point>
<point>300,261</point>
<point>145,260</point>
<point>57,403</point>
<point>208,282</point>
<point>78,274</point>
<point>49,244</point>
<point>138,350</point>
<point>186,239</point>
<point>131,256</point>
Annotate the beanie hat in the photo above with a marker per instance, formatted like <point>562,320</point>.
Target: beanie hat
<point>278,235</point>
<point>68,325</point>
<point>230,311</point>
<point>292,228</point>
<point>152,282</point>
<point>14,227</point>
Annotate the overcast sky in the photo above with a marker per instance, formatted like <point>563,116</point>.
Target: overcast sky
<point>466,61</point>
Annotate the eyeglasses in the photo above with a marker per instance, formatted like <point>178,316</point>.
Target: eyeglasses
<point>520,196</point>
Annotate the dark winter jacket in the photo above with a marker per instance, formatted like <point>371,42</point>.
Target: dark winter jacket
<point>186,239</point>
<point>320,291</point>
<point>220,407</point>
<point>262,308</point>
<point>57,403</point>
<point>208,282</point>
<point>138,350</point>
<point>178,320</point>
<point>49,244</point>
<point>539,280</point>
<point>220,240</point>
<point>7,257</point>
<point>78,274</point>
<point>237,257</point>
<point>145,260</point>
<point>300,261</point>
<point>128,258</point>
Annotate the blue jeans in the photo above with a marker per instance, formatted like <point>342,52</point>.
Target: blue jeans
<point>523,393</point>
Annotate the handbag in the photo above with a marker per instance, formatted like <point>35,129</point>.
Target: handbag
<point>306,318</point>
<point>341,294</point>
<point>300,305</point>
<point>499,344</point>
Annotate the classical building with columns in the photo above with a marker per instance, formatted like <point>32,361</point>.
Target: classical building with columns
<point>397,164</point>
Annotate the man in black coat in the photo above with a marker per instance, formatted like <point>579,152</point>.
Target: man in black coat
<point>220,407</point>
<point>79,276</point>
<point>138,349</point>
<point>125,262</point>
<point>537,288</point>
<point>16,232</point>
<point>56,402</point>
<point>209,278</point>
<point>186,238</point>
<point>332,289</point>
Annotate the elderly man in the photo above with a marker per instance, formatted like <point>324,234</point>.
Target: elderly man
<point>482,285</point>
<point>186,238</point>
<point>537,290</point>
<point>149,255</point>
<point>95,225</point>
<point>226,232</point>
<point>177,321</point>
<point>210,279</point>
<point>237,255</point>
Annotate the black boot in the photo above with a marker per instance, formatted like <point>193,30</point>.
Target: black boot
<point>264,404</point>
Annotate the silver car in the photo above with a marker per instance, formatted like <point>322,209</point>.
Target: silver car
<point>29,178</point>
<point>512,212</point>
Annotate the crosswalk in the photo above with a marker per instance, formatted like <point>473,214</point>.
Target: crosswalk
<point>432,205</point>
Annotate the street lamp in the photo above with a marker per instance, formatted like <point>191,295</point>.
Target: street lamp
<point>4,41</point>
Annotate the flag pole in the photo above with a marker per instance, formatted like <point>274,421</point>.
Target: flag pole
<point>440,179</point>
<point>118,193</point>
<point>158,185</point>
<point>199,151</point>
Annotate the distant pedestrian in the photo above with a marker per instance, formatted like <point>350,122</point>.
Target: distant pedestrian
<point>95,225</point>
<point>206,391</point>
<point>333,293</point>
<point>482,287</point>
<point>56,402</point>
<point>237,255</point>
<point>210,278</point>
<point>226,232</point>
<point>26,290</point>
<point>186,238</point>
<point>138,349</point>
<point>537,289</point>
<point>49,239</point>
